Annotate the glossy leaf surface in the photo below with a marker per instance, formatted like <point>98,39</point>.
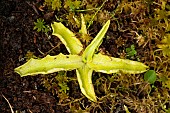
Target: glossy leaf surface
<point>106,64</point>
<point>90,50</point>
<point>150,76</point>
<point>84,76</point>
<point>49,64</point>
<point>67,37</point>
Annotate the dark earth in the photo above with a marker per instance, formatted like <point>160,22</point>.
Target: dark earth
<point>26,95</point>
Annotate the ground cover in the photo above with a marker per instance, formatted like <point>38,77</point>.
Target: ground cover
<point>139,30</point>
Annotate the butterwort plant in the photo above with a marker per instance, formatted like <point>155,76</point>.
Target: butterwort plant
<point>83,60</point>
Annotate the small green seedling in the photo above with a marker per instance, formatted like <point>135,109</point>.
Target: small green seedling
<point>165,45</point>
<point>131,52</point>
<point>84,61</point>
<point>53,4</point>
<point>63,87</point>
<point>40,26</point>
<point>73,5</point>
<point>150,76</point>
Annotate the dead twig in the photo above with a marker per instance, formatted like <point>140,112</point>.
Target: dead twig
<point>12,111</point>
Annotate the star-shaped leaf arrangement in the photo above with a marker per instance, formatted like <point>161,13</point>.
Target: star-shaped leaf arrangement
<point>85,61</point>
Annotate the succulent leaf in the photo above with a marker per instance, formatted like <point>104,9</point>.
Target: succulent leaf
<point>49,64</point>
<point>84,76</point>
<point>106,64</point>
<point>89,51</point>
<point>67,37</point>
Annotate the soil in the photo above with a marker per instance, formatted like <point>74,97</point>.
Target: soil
<point>25,94</point>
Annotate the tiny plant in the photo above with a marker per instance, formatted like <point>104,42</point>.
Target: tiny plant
<point>73,5</point>
<point>150,76</point>
<point>165,45</point>
<point>63,87</point>
<point>62,81</point>
<point>53,4</point>
<point>84,61</point>
<point>40,26</point>
<point>131,52</point>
